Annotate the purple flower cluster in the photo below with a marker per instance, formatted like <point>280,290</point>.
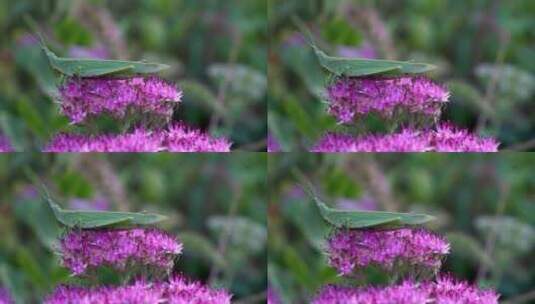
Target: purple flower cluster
<point>139,140</point>
<point>177,291</point>
<point>445,138</point>
<point>87,97</point>
<point>443,291</point>
<point>448,138</point>
<point>5,145</point>
<point>84,98</point>
<point>177,138</point>
<point>350,97</point>
<point>84,249</point>
<point>350,250</point>
<point>5,298</point>
<point>180,138</point>
<point>407,140</point>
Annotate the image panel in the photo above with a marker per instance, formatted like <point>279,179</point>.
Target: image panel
<point>401,76</point>
<point>141,228</point>
<point>408,228</point>
<point>133,76</point>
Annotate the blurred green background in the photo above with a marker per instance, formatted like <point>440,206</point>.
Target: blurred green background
<point>217,50</point>
<point>484,50</point>
<point>484,204</point>
<point>216,205</point>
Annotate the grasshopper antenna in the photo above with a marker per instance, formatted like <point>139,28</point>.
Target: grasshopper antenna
<point>40,185</point>
<point>304,183</point>
<point>304,30</point>
<point>307,34</point>
<point>34,27</point>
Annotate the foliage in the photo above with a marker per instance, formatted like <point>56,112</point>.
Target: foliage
<point>195,38</point>
<point>482,49</point>
<point>479,201</point>
<point>223,230</point>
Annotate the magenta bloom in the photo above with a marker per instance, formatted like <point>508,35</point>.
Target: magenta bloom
<point>84,249</point>
<point>180,138</point>
<point>350,250</point>
<point>177,138</point>
<point>5,297</point>
<point>138,141</point>
<point>447,290</point>
<point>445,138</point>
<point>177,291</point>
<point>448,138</point>
<point>350,97</point>
<point>444,291</point>
<point>5,145</point>
<point>406,293</point>
<point>407,140</point>
<point>88,97</point>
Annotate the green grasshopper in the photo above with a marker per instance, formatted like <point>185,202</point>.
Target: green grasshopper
<point>100,219</point>
<point>74,67</point>
<point>369,219</point>
<point>358,67</point>
<point>361,219</point>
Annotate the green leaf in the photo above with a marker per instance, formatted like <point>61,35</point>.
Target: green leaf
<point>93,67</point>
<point>366,219</point>
<point>36,214</point>
<point>304,64</point>
<point>307,219</point>
<point>100,219</point>
<point>468,247</point>
<point>340,32</point>
<point>243,233</point>
<point>356,67</point>
<point>198,92</point>
<point>199,245</point>
<point>32,59</point>
<point>29,264</point>
<point>241,80</point>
